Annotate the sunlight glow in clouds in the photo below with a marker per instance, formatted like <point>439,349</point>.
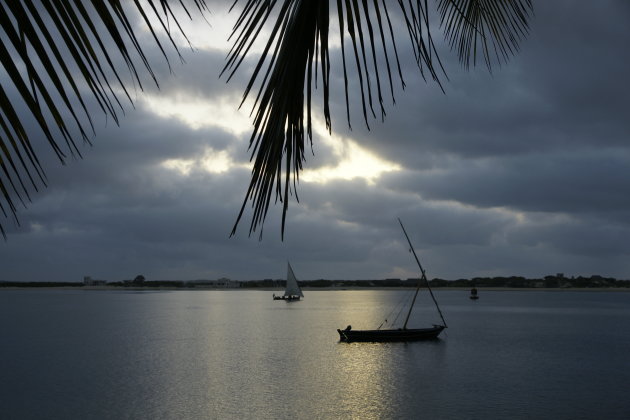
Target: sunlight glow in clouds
<point>211,33</point>
<point>212,161</point>
<point>354,161</point>
<point>199,113</point>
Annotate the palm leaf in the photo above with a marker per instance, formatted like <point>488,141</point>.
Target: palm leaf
<point>48,39</point>
<point>495,27</point>
<point>300,30</point>
<point>45,37</point>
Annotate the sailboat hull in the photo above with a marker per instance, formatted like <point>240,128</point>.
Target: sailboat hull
<point>349,335</point>
<point>287,298</point>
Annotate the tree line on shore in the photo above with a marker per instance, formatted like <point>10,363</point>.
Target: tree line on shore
<point>557,281</point>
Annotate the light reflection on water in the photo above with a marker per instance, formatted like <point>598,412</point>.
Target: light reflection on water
<point>239,354</point>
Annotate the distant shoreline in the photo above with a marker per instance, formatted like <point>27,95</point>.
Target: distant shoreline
<point>557,282</point>
<point>481,289</point>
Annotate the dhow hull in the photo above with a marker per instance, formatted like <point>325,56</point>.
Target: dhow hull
<point>416,334</point>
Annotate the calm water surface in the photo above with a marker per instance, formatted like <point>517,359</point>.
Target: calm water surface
<point>79,354</point>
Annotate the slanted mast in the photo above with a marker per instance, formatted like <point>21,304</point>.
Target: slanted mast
<point>424,277</point>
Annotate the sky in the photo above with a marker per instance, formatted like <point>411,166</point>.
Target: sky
<point>524,171</point>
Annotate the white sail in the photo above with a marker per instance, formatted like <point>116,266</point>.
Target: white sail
<point>293,289</point>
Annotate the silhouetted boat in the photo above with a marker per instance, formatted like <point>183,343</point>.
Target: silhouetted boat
<point>399,334</point>
<point>473,293</point>
<point>292,291</point>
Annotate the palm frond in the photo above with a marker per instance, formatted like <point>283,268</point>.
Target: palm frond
<point>494,27</point>
<point>300,29</point>
<point>48,50</point>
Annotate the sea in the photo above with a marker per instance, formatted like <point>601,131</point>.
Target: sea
<point>238,354</point>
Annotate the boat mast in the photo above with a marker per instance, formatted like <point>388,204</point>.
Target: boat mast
<point>424,277</point>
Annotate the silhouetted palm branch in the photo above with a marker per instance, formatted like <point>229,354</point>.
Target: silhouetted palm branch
<point>54,50</point>
<point>298,45</point>
<point>49,50</point>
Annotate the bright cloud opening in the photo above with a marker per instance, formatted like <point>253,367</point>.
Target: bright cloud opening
<point>354,161</point>
<point>182,166</point>
<point>200,113</point>
<point>210,33</point>
<point>212,161</point>
<point>216,162</point>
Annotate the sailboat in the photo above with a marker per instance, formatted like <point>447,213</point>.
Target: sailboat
<point>292,291</point>
<point>404,333</point>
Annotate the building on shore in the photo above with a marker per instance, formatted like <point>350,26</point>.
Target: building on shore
<point>89,281</point>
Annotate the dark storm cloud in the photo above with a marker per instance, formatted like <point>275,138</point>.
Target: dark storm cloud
<point>563,90</point>
<point>571,183</point>
<point>545,136</point>
<point>124,168</point>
